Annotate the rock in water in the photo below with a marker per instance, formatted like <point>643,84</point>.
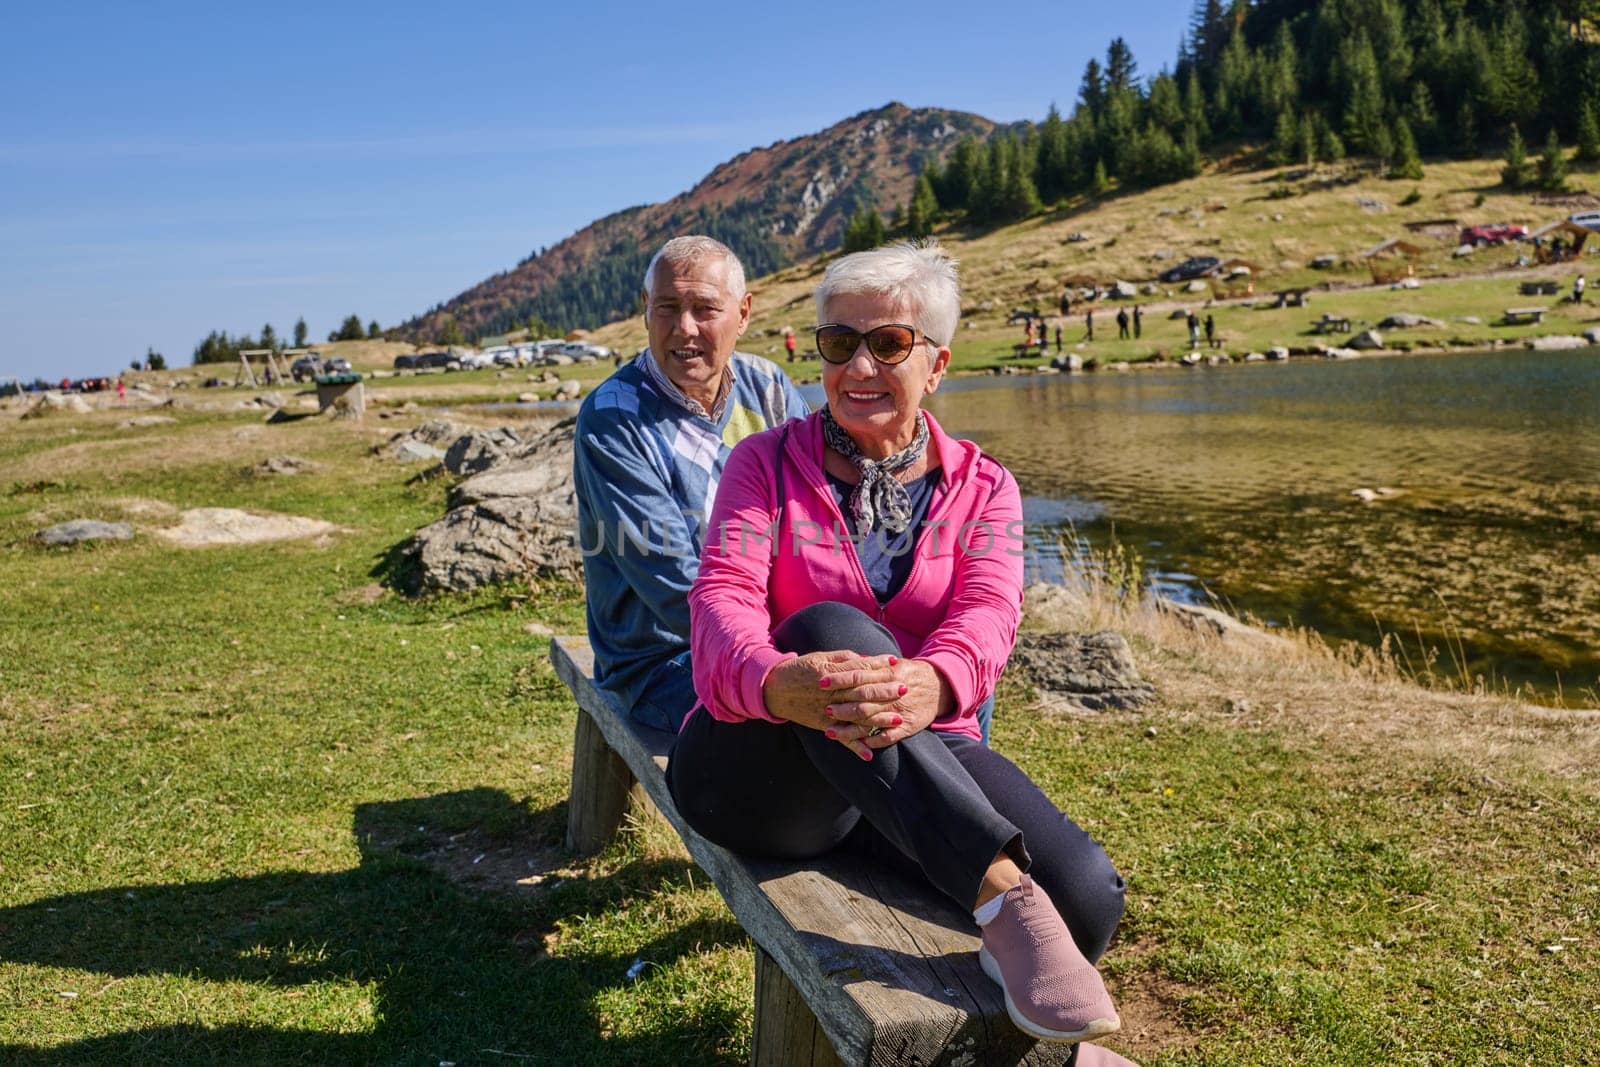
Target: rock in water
<point>1094,671</point>
<point>79,530</point>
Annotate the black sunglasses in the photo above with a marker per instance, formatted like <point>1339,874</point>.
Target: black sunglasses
<point>890,343</point>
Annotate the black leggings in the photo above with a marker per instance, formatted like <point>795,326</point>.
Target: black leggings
<point>937,805</point>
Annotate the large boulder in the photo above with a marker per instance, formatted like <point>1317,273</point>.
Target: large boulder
<point>1277,352</point>
<point>1092,671</point>
<point>517,520</point>
<point>1405,320</point>
<point>1366,341</point>
<point>1067,361</point>
<point>478,450</point>
<point>1124,290</point>
<point>1555,343</point>
<point>78,531</point>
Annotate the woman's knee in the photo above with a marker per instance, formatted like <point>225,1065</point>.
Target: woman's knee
<point>830,625</point>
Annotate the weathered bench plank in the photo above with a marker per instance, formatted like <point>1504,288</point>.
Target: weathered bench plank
<point>887,967</point>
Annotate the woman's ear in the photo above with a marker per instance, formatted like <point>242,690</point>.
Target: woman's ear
<point>941,360</point>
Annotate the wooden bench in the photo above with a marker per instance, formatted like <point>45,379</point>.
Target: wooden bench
<point>1293,298</point>
<point>1520,316</point>
<point>1331,324</point>
<point>1540,288</point>
<point>854,965</point>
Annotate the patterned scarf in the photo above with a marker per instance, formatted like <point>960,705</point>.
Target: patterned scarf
<point>878,497</point>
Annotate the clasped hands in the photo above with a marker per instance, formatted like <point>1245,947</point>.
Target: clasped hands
<point>863,702</point>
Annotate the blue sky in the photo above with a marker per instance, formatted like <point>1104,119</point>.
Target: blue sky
<point>168,169</point>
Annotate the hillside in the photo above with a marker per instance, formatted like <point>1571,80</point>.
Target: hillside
<point>1332,210</point>
<point>773,205</point>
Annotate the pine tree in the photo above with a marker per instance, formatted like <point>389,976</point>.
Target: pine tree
<point>1165,105</point>
<point>1516,173</point>
<point>300,332</point>
<point>1194,107</point>
<point>1588,134</point>
<point>1421,115</point>
<point>924,207</point>
<point>864,231</point>
<point>1467,131</point>
<point>961,173</point>
<point>1405,163</point>
<point>269,338</point>
<point>1285,139</point>
<point>1055,165</point>
<point>1100,184</point>
<point>1553,165</point>
<point>373,333</point>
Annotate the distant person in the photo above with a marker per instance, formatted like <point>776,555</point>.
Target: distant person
<point>1577,289</point>
<point>1194,329</point>
<point>650,446</point>
<point>788,343</point>
<point>1066,304</point>
<point>1138,322</point>
<point>1122,324</point>
<point>1088,325</point>
<point>1058,338</point>
<point>1028,334</point>
<point>1211,331</point>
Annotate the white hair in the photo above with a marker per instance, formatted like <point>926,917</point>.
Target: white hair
<point>919,275</point>
<point>693,249</point>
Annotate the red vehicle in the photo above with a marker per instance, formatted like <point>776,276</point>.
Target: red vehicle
<point>1492,233</point>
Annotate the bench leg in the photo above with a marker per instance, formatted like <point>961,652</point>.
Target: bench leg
<point>601,783</point>
<point>786,1032</point>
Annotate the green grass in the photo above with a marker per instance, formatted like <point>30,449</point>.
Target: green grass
<point>241,797</point>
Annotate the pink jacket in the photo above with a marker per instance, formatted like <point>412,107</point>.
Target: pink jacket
<point>959,608</point>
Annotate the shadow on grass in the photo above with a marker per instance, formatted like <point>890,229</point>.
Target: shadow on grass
<point>455,971</point>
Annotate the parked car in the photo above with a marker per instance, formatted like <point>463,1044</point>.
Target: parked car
<point>1197,267</point>
<point>1589,220</point>
<point>305,368</point>
<point>442,360</point>
<point>336,365</point>
<point>1492,233</point>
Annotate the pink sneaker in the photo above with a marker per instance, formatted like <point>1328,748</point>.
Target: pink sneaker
<point>1051,991</point>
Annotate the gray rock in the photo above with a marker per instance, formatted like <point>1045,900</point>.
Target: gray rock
<point>1254,357</point>
<point>1471,320</point>
<point>514,522</point>
<point>1366,341</point>
<point>1277,352</point>
<point>1341,353</point>
<point>478,450</point>
<point>1556,343</point>
<point>284,465</point>
<point>79,530</point>
<point>1462,251</point>
<point>1094,671</point>
<point>1124,290</point>
<point>527,398</point>
<point>1324,262</point>
<point>409,451</point>
<point>140,421</point>
<point>1197,286</point>
<point>1405,320</point>
<point>570,389</point>
<point>1067,361</point>
<point>1592,335</point>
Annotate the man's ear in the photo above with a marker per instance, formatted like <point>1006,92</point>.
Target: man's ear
<point>746,302</point>
<point>644,300</point>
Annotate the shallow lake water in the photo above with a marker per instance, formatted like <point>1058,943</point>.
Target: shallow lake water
<point>1236,483</point>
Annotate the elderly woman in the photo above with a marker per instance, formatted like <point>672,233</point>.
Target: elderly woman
<point>858,597</point>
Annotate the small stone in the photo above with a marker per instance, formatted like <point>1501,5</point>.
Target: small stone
<point>78,531</point>
<point>537,629</point>
<point>1149,731</point>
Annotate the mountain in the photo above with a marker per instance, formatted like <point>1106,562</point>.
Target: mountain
<point>773,206</point>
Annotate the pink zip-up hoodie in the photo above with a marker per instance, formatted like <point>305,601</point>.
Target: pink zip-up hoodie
<point>958,609</point>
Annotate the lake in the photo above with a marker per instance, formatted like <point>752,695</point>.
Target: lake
<point>1235,484</point>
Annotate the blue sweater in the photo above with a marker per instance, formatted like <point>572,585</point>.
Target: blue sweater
<point>645,469</point>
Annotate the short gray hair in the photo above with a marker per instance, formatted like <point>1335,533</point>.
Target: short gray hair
<point>693,249</point>
<point>919,274</point>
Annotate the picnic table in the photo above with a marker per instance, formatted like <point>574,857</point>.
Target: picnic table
<point>853,964</point>
<point>1294,298</point>
<point>1331,324</point>
<point>1521,316</point>
<point>1543,287</point>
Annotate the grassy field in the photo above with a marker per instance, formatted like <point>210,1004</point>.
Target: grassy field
<point>255,807</point>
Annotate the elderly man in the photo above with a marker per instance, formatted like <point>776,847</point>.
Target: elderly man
<point>651,442</point>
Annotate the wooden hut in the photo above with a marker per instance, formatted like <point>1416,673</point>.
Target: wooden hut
<point>1570,235</point>
<point>1234,278</point>
<point>1392,260</point>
